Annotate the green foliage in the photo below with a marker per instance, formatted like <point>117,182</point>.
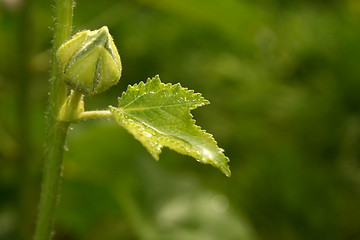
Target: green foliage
<point>89,63</point>
<point>158,115</point>
<point>283,80</point>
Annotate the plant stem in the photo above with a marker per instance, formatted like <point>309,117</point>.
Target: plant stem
<point>75,98</point>
<point>51,180</point>
<point>95,114</point>
<point>71,108</point>
<point>56,131</point>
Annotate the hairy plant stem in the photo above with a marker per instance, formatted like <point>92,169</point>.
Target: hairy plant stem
<point>56,131</point>
<point>51,180</point>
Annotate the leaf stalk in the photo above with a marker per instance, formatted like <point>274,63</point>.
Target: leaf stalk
<point>95,114</point>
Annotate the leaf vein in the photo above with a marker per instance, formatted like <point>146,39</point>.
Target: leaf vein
<point>161,106</point>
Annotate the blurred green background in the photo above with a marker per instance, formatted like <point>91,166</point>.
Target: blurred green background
<point>283,79</point>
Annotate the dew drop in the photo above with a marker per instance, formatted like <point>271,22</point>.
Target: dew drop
<point>206,154</point>
<point>147,134</point>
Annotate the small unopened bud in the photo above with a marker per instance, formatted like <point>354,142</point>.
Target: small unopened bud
<point>90,62</point>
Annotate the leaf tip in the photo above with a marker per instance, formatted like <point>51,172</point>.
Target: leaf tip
<point>227,172</point>
<point>225,169</point>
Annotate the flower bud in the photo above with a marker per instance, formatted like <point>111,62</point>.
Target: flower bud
<point>90,62</point>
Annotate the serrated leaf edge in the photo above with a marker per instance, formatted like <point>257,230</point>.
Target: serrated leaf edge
<point>223,166</point>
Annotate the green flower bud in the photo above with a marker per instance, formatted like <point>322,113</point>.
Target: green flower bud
<point>90,62</point>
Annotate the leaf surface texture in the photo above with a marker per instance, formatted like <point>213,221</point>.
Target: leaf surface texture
<point>158,115</point>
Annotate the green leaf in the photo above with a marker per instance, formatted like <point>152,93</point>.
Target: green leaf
<point>158,115</point>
